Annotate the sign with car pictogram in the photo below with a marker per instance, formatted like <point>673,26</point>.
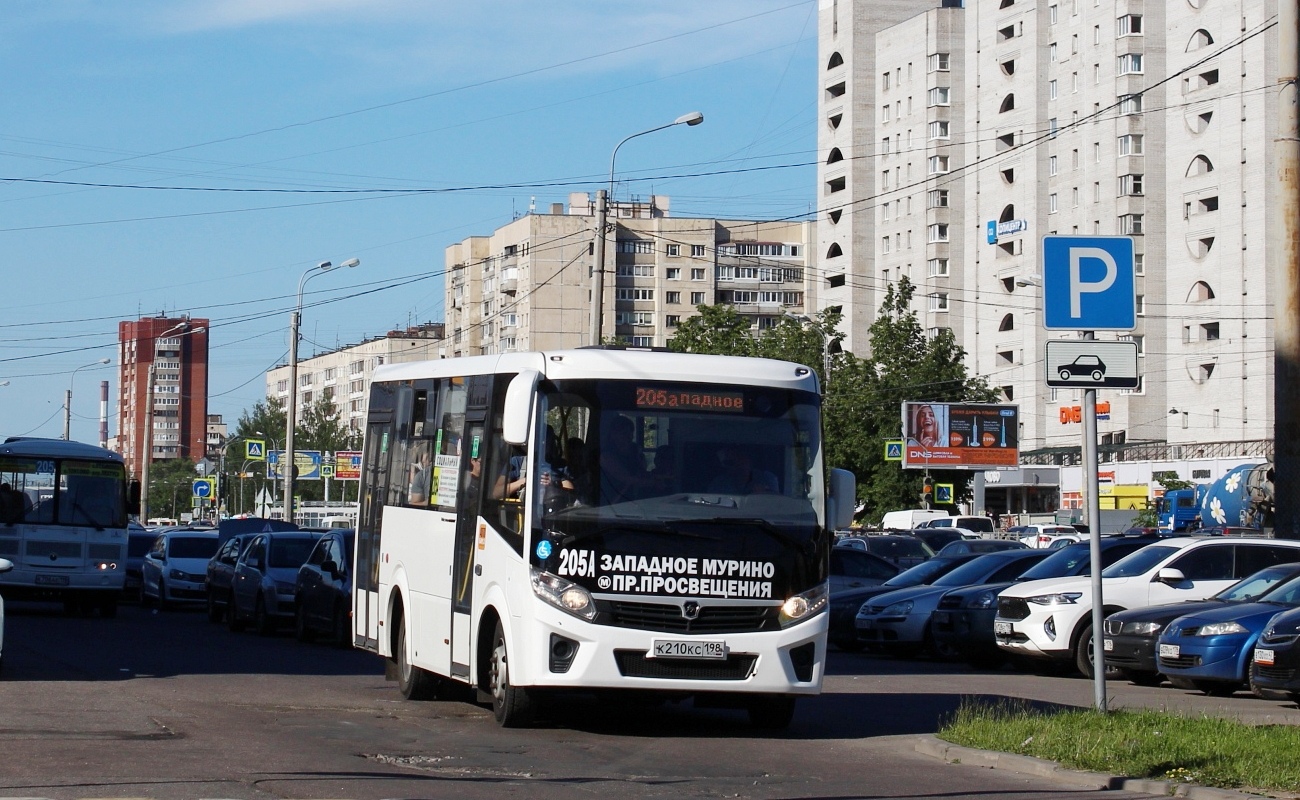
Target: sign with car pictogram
<point>1089,364</point>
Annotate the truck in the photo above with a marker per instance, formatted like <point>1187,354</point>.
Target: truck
<point>1242,498</point>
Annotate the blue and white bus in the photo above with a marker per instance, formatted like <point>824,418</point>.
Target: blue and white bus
<point>63,522</point>
<point>596,519</point>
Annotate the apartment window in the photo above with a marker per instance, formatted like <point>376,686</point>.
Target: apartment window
<point>643,341</point>
<point>1096,34</point>
<point>1009,32</point>
<point>1051,165</point>
<point>884,112</point>
<point>884,146</point>
<point>938,96</point>
<point>1130,64</point>
<point>672,320</point>
<point>1130,224</point>
<point>1051,89</point>
<point>624,271</point>
<point>1139,263</point>
<point>640,246</point>
<point>1129,25</point>
<point>1074,196</point>
<point>1052,127</point>
<point>1130,184</point>
<point>635,294</point>
<point>672,250</point>
<point>938,165</point>
<point>937,62</point>
<point>1141,303</point>
<point>697,251</point>
<point>937,198</point>
<point>673,273</point>
<point>1053,15</point>
<point>884,80</point>
<point>938,267</point>
<point>1201,38</point>
<point>697,298</point>
<point>836,185</point>
<point>1130,144</point>
<point>937,232</point>
<point>938,301</point>
<point>1130,104</point>
<point>1074,158</point>
<point>1074,43</point>
<point>1051,52</point>
<point>885,244</point>
<point>1051,203</point>
<point>697,274</point>
<point>939,129</point>
<point>673,298</point>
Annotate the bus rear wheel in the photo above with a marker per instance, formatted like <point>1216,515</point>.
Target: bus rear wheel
<point>511,705</point>
<point>413,682</point>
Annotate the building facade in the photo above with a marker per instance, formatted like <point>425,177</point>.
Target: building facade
<point>173,352</point>
<point>528,286</point>
<point>341,376</point>
<point>953,139</point>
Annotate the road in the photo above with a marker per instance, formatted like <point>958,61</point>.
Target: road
<point>167,705</point>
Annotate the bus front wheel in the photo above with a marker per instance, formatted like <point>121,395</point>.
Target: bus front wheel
<point>511,705</point>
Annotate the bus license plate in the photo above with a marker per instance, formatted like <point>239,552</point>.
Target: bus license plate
<point>1002,628</point>
<point>1169,651</point>
<point>1263,656</point>
<point>52,580</point>
<point>675,648</point>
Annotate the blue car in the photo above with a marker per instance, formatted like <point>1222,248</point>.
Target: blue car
<point>1212,650</point>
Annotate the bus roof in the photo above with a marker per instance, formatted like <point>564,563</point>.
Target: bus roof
<point>32,447</point>
<point>615,363</point>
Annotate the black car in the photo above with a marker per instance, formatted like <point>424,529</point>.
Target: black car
<point>1275,667</point>
<point>844,605</point>
<point>323,592</point>
<point>980,546</point>
<point>1085,365</point>
<point>138,542</point>
<point>963,622</point>
<point>938,538</point>
<point>1131,636</point>
<point>902,549</point>
<point>221,574</point>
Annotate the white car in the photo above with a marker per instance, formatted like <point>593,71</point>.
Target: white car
<point>1052,619</point>
<point>5,566</point>
<point>1042,535</point>
<point>176,568</point>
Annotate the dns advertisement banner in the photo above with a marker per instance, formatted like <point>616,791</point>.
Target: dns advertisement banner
<point>960,436</point>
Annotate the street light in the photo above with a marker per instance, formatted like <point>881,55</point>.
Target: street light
<point>598,271</point>
<point>292,412</point>
<point>830,345</point>
<point>67,400</point>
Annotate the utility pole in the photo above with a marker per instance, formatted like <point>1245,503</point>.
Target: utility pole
<point>1285,242</point>
<point>598,269</point>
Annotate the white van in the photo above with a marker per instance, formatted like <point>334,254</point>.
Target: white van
<point>909,519</point>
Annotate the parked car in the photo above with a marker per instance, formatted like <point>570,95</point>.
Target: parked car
<point>1042,535</point>
<point>1065,540</point>
<point>844,605</point>
<point>323,592</point>
<point>174,568</point>
<point>1131,636</point>
<point>1212,650</point>
<point>903,550</point>
<point>938,538</point>
<point>1275,672</point>
<point>963,546</point>
<point>964,618</point>
<point>1052,619</point>
<point>265,577</point>
<point>971,526</point>
<point>899,621</point>
<point>138,542</point>
<point>5,566</point>
<point>854,569</point>
<point>221,575</point>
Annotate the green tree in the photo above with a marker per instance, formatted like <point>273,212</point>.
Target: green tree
<point>321,427</point>
<point>719,330</point>
<point>171,487</point>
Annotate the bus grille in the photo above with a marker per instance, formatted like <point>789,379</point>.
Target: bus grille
<point>101,552</point>
<point>668,617</point>
<point>58,549</point>
<point>634,664</point>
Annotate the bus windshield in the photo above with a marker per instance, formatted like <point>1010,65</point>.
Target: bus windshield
<point>66,492</point>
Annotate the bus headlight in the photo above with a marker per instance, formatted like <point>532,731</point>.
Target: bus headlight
<point>564,595</point>
<point>804,605</point>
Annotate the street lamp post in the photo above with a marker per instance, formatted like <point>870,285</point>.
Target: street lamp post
<point>291,414</point>
<point>602,212</point>
<point>67,400</point>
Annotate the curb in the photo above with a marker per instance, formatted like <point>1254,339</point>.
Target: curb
<point>933,746</point>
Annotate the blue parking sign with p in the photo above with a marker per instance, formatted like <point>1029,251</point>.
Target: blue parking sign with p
<point>1089,283</point>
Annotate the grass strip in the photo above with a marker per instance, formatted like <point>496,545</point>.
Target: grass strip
<point>1136,744</point>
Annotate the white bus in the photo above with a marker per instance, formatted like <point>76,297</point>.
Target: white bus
<point>598,519</point>
<point>63,518</point>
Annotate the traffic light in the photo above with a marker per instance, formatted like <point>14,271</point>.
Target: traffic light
<point>927,493</point>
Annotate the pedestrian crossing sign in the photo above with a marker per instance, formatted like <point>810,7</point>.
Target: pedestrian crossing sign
<point>894,450</point>
<point>256,449</point>
<point>943,493</point>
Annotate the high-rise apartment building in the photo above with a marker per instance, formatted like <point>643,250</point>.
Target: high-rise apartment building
<point>952,139</point>
<point>527,286</point>
<point>172,352</point>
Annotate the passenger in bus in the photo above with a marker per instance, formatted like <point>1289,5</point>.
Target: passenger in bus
<point>417,493</point>
<point>553,476</point>
<point>623,474</point>
<point>740,476</point>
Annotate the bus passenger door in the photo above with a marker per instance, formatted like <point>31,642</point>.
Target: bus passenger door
<point>468,523</point>
<point>373,490</point>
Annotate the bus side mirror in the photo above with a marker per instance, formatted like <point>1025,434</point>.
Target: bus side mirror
<point>518,413</point>
<point>842,499</point>
<point>6,565</point>
<point>133,498</point>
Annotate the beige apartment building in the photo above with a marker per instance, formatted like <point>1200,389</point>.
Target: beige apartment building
<point>953,136</point>
<point>527,286</point>
<point>343,375</point>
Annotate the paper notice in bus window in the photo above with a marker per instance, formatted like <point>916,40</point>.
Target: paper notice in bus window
<point>446,472</point>
<point>91,469</point>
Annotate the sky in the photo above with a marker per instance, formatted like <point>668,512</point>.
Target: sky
<point>198,156</point>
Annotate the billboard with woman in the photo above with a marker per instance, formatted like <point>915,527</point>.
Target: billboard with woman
<point>960,436</point>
